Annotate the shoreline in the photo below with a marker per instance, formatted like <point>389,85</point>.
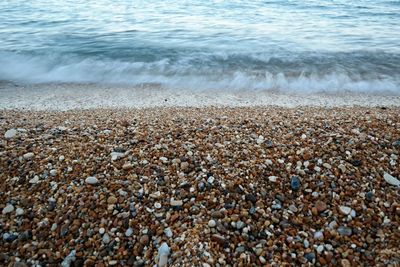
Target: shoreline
<point>230,186</point>
<point>80,96</point>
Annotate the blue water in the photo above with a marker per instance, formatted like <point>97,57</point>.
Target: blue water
<point>292,45</point>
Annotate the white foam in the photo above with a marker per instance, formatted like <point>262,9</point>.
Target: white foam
<point>183,74</point>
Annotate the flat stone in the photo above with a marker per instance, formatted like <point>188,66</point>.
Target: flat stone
<point>176,203</point>
<point>127,166</point>
<point>345,210</point>
<point>34,180</point>
<point>19,212</point>
<point>272,179</point>
<point>7,209</point>
<point>112,200</point>
<point>344,231</point>
<point>28,155</point>
<point>390,179</point>
<point>321,206</point>
<point>10,133</point>
<point>128,232</point>
<point>144,240</point>
<point>91,180</point>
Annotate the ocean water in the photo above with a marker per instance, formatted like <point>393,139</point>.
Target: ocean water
<point>292,45</point>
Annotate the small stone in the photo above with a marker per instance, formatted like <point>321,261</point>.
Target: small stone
<point>250,197</point>
<point>327,165</point>
<point>164,159</point>
<point>163,253</point>
<point>176,203</point>
<point>19,212</point>
<point>293,208</point>
<point>184,166</point>
<point>240,225</point>
<point>128,232</point>
<point>306,243</point>
<point>345,263</point>
<point>116,155</point>
<point>157,205</point>
<point>91,180</point>
<point>7,209</point>
<point>272,179</point>
<point>390,179</point>
<point>34,180</point>
<point>303,136</point>
<point>212,223</point>
<point>310,257</point>
<point>53,173</point>
<point>102,230</point>
<point>61,158</point>
<point>369,195</point>
<point>127,166</point>
<point>28,155</point>
<point>295,183</point>
<point>10,133</point>
<point>112,262</point>
<point>262,260</point>
<point>219,239</point>
<point>210,179</point>
<point>168,232</point>
<point>144,240</point>
<point>345,210</point>
<point>69,259</point>
<point>344,231</point>
<point>318,235</point>
<point>356,163</point>
<point>106,239</point>
<point>320,248</point>
<point>112,200</point>
<point>321,206</point>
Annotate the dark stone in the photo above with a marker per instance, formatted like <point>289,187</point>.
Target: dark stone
<point>396,143</point>
<point>310,257</point>
<point>344,231</point>
<point>295,183</point>
<point>119,150</point>
<point>252,198</point>
<point>252,210</point>
<point>356,163</point>
<point>9,237</point>
<point>369,195</point>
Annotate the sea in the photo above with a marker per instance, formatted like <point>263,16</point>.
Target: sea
<point>302,46</point>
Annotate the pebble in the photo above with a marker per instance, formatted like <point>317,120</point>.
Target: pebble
<point>106,239</point>
<point>168,232</point>
<point>112,200</point>
<point>345,210</point>
<point>295,183</point>
<point>10,133</point>
<point>176,203</point>
<point>248,214</point>
<point>28,155</point>
<point>144,240</point>
<point>128,232</point>
<point>34,180</point>
<point>19,212</point>
<point>321,206</point>
<point>91,180</point>
<point>69,259</point>
<point>327,165</point>
<point>212,223</point>
<point>163,254</point>
<point>273,179</point>
<point>53,173</point>
<point>318,235</point>
<point>391,180</point>
<point>344,231</point>
<point>8,209</point>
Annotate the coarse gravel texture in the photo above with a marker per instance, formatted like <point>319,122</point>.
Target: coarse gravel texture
<point>220,186</point>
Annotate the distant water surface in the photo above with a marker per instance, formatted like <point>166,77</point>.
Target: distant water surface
<point>292,45</point>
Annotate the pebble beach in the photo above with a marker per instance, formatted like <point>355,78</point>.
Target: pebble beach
<point>169,186</point>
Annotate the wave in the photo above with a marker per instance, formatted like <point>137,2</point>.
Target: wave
<point>300,73</point>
